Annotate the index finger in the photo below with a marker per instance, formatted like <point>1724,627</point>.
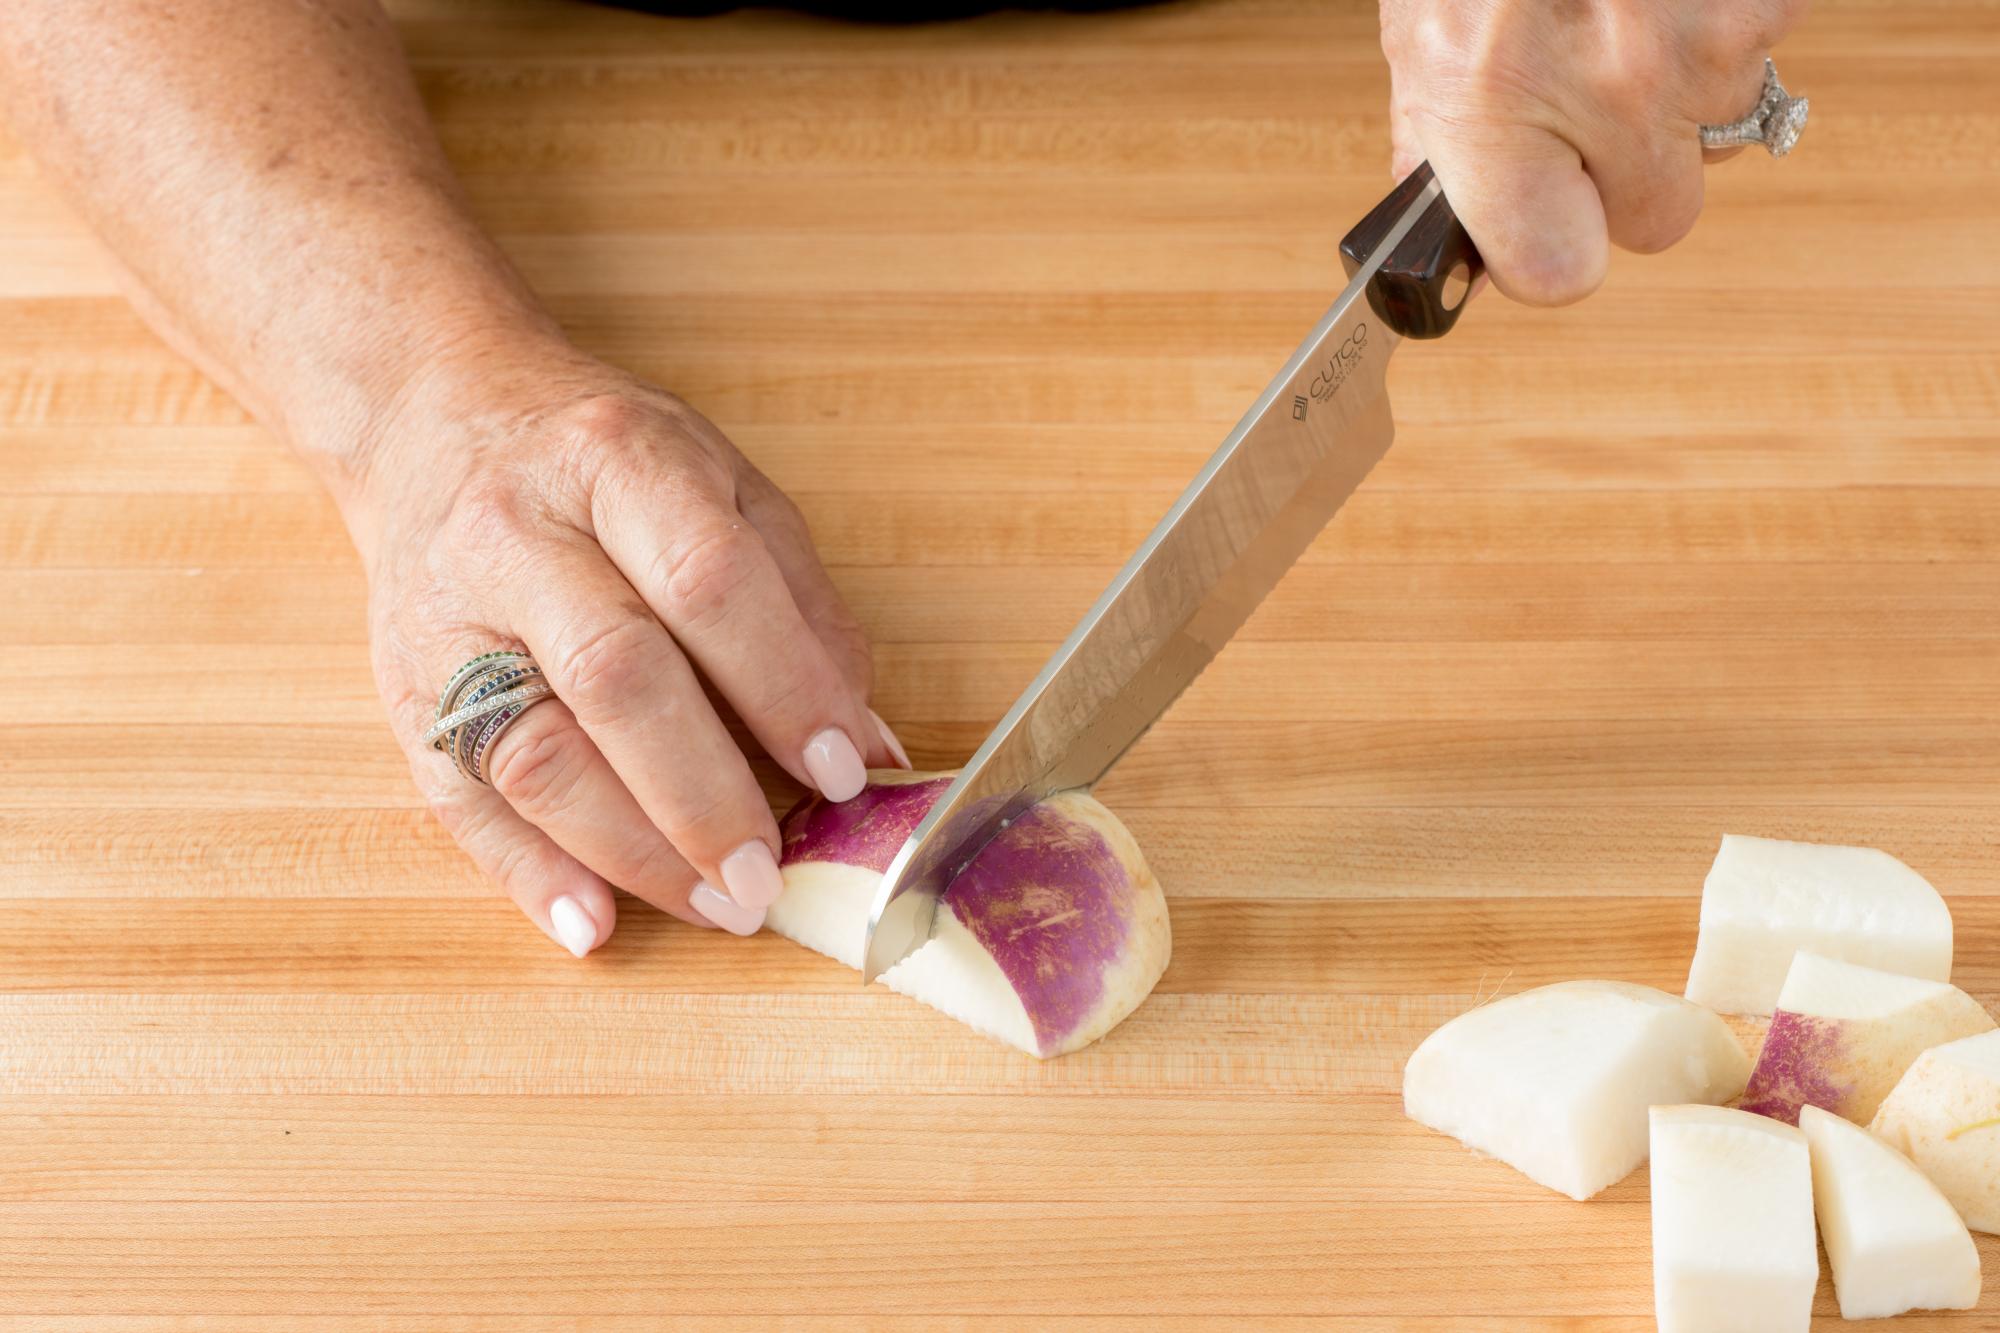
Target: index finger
<point>706,572</point>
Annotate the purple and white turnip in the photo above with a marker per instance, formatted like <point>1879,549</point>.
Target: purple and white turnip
<point>1843,1034</point>
<point>1052,935</point>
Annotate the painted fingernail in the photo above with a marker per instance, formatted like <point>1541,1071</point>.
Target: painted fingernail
<point>889,739</point>
<point>573,926</point>
<point>725,911</point>
<point>750,873</point>
<point>835,765</point>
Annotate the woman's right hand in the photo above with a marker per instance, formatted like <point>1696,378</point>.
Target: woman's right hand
<point>1561,129</point>
<point>554,504</point>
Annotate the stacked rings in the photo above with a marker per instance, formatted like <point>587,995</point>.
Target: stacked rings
<point>480,701</point>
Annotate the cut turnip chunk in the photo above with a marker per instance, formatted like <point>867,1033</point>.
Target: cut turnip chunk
<point>1555,1082</point>
<point>1892,1238</point>
<point>1766,900</point>
<point>1844,1034</point>
<point>1054,933</point>
<point>1945,1116</point>
<point>1733,1247</point>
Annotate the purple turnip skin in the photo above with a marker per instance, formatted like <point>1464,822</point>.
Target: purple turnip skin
<point>866,831</point>
<point>1797,1068</point>
<point>1053,905</point>
<point>1050,899</point>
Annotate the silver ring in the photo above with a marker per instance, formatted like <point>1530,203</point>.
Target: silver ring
<point>480,701</point>
<point>1775,122</point>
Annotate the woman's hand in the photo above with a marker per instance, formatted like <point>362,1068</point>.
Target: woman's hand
<point>1559,127</point>
<point>265,173</point>
<point>551,503</point>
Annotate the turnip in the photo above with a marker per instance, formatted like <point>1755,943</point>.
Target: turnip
<point>1054,933</point>
<point>1555,1082</point>
<point>1892,1238</point>
<point>1945,1116</point>
<point>1733,1247</point>
<point>1843,1034</point>
<point>1765,900</point>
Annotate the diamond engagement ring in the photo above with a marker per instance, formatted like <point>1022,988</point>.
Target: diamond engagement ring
<point>1775,122</point>
<point>480,701</point>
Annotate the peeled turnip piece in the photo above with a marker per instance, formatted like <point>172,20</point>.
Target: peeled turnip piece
<point>1733,1247</point>
<point>1892,1239</point>
<point>1054,933</point>
<point>1843,1034</point>
<point>1555,1082</point>
<point>1765,900</point>
<point>1945,1116</point>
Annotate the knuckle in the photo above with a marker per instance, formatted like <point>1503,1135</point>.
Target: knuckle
<point>1663,214</point>
<point>849,645</point>
<point>1630,85</point>
<point>492,506</point>
<point>539,773</point>
<point>608,417</point>
<point>1550,277</point>
<point>657,868</point>
<point>626,437</point>
<point>1487,82</point>
<point>605,669</point>
<point>703,577</point>
<point>1718,45</point>
<point>513,868</point>
<point>1658,229</point>
<point>714,825</point>
<point>789,690</point>
<point>448,806</point>
<point>783,508</point>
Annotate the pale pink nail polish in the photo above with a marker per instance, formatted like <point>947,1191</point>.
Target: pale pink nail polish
<point>889,739</point>
<point>750,873</point>
<point>725,911</point>
<point>574,928</point>
<point>835,765</point>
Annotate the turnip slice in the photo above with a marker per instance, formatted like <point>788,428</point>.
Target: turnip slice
<point>1733,1247</point>
<point>1765,900</point>
<point>1054,933</point>
<point>1555,1082</point>
<point>1843,1034</point>
<point>1892,1239</point>
<point>1945,1116</point>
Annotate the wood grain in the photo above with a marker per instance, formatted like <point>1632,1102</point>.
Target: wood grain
<point>1718,550</point>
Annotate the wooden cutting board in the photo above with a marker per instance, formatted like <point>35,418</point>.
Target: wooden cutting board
<point>1718,550</point>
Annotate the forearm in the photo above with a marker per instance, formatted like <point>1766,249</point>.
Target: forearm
<point>266,175</point>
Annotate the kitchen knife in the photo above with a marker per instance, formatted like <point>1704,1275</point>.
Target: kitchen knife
<point>1289,465</point>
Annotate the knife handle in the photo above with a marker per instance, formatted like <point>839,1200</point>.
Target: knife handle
<point>1423,282</point>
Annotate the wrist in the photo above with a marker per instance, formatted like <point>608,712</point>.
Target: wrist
<point>406,421</point>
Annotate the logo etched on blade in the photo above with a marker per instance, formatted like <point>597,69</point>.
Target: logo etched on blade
<point>1340,364</point>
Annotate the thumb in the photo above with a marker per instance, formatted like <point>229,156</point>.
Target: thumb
<point>1528,205</point>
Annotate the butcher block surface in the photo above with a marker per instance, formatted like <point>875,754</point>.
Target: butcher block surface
<point>1717,551</point>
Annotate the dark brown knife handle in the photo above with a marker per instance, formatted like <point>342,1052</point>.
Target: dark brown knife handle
<point>1423,282</point>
